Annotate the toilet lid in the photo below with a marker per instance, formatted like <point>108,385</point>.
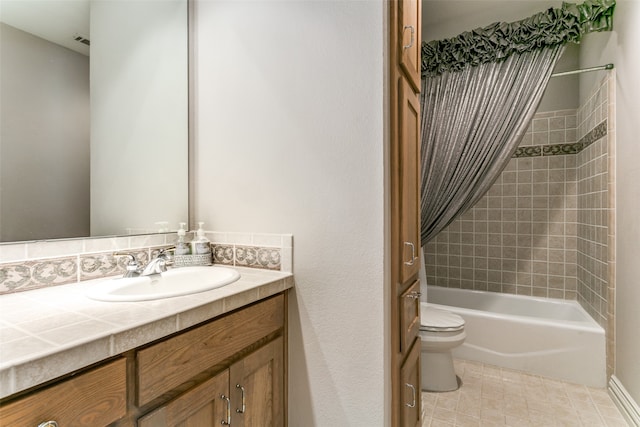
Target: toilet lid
<point>433,319</point>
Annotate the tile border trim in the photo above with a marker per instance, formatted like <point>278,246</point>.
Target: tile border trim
<point>595,134</point>
<point>261,251</point>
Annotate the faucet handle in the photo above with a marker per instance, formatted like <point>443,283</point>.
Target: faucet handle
<point>133,266</point>
<point>162,253</point>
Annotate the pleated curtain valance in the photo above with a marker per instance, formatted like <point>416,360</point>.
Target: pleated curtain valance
<point>498,41</point>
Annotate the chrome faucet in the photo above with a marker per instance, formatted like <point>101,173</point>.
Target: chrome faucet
<point>158,264</point>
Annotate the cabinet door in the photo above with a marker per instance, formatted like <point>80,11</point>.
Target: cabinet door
<point>257,388</point>
<point>411,401</point>
<point>205,405</point>
<point>409,315</point>
<point>409,156</point>
<point>410,41</point>
<point>95,398</point>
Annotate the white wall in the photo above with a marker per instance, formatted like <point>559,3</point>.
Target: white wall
<point>290,139</point>
<point>44,139</point>
<point>627,62</point>
<point>621,48</point>
<point>139,121</point>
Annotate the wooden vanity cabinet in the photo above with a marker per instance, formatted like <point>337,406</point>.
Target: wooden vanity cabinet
<point>245,387</point>
<point>94,398</point>
<point>249,393</point>
<point>228,370</point>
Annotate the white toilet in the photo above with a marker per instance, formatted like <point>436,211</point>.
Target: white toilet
<point>440,332</point>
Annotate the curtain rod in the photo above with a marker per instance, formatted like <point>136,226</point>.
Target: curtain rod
<point>584,70</point>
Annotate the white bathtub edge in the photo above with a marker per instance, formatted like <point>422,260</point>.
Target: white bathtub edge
<point>625,403</point>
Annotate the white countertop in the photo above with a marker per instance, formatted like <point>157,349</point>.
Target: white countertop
<point>49,332</point>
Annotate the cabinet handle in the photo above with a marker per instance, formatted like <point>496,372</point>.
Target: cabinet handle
<point>414,295</point>
<point>226,422</point>
<point>413,393</point>
<point>413,253</point>
<point>413,30</point>
<point>48,424</point>
<point>241,411</point>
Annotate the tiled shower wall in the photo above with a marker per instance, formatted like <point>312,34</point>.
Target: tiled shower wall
<point>521,237</point>
<point>544,228</point>
<point>595,166</point>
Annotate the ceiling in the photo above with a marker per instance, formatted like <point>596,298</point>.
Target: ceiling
<point>55,20</point>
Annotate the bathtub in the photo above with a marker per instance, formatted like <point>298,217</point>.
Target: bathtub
<point>549,337</point>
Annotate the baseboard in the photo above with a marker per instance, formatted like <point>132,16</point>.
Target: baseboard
<point>628,407</point>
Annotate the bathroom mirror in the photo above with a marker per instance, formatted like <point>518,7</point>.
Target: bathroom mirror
<point>94,118</point>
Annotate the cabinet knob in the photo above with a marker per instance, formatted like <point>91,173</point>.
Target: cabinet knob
<point>414,295</point>
<point>413,393</point>
<point>226,422</point>
<point>241,411</point>
<point>48,424</point>
<point>413,31</point>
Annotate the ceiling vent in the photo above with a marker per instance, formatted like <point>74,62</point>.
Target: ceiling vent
<point>82,39</point>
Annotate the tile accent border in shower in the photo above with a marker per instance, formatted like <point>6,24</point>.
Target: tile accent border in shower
<point>563,149</point>
<point>70,261</point>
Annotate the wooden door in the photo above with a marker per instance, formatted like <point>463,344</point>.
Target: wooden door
<point>411,39</point>
<point>257,388</point>
<point>409,156</point>
<point>205,405</point>
<point>410,385</point>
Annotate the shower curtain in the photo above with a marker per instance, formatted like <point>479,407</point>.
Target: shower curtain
<point>479,93</point>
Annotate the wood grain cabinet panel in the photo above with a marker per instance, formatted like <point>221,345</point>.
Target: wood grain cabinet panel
<point>164,366</point>
<point>204,405</point>
<point>250,393</point>
<point>409,315</point>
<point>410,39</point>
<point>409,127</point>
<point>405,49</point>
<point>92,399</point>
<point>257,388</point>
<point>410,385</point>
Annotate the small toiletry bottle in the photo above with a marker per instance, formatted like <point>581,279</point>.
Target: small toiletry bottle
<point>200,245</point>
<point>182,248</point>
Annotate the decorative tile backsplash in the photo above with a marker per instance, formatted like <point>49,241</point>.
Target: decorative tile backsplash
<point>19,272</point>
<point>247,256</point>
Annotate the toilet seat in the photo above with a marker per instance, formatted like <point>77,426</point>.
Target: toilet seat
<point>436,320</point>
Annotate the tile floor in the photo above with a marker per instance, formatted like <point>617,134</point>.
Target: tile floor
<point>492,396</point>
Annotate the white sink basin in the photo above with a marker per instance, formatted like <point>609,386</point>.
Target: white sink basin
<point>172,283</point>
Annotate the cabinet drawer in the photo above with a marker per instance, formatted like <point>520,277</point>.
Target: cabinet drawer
<point>410,396</point>
<point>170,363</point>
<point>409,315</point>
<point>95,398</point>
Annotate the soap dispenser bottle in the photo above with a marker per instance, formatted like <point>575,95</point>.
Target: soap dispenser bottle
<point>182,248</point>
<point>200,245</point>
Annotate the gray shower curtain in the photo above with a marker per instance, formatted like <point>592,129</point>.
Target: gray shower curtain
<point>472,122</point>
<point>479,93</point>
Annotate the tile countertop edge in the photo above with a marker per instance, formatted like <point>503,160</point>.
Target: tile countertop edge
<point>173,315</point>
